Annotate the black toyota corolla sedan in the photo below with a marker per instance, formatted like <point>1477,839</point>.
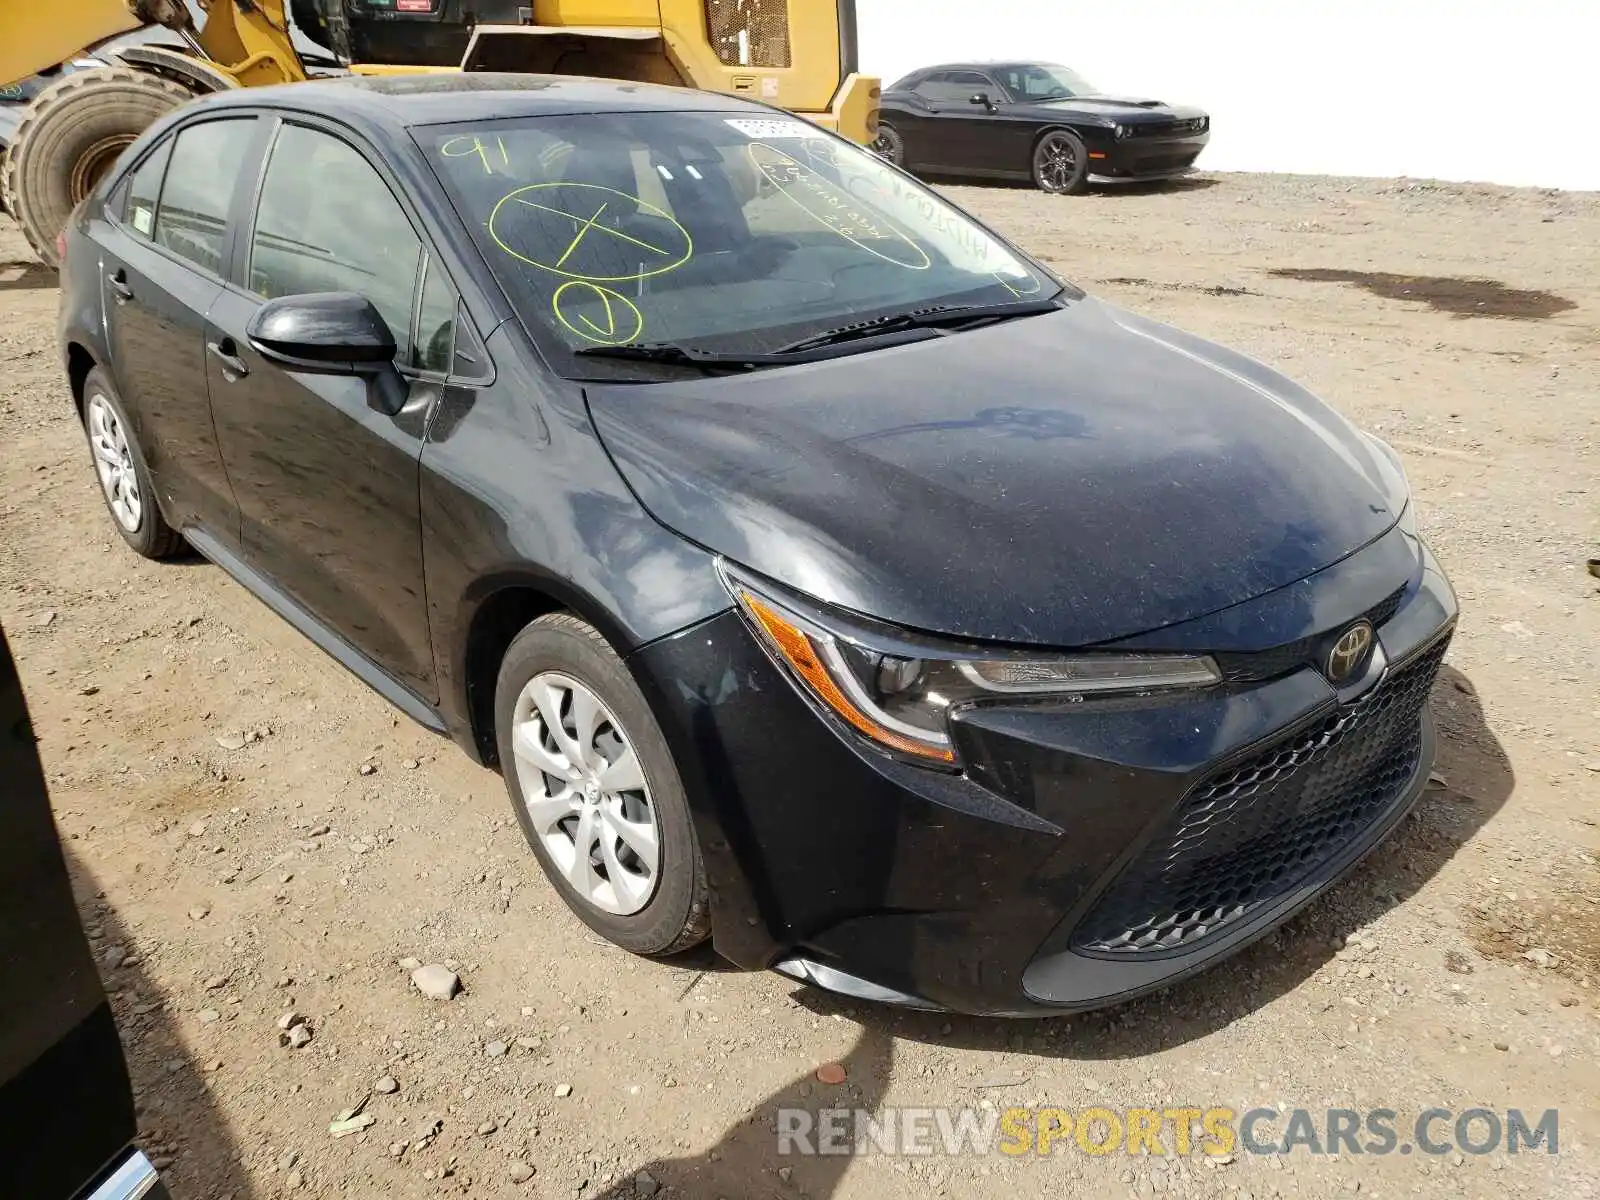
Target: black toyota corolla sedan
<point>1031,120</point>
<point>821,572</point>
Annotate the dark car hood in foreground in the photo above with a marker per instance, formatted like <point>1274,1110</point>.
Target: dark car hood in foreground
<point>1062,479</point>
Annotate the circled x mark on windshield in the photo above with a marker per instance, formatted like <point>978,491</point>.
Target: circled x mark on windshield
<point>576,230</point>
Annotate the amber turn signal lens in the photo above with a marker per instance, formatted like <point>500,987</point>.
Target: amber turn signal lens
<point>795,645</point>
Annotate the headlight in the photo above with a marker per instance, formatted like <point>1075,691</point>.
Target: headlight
<point>1122,131</point>
<point>898,690</point>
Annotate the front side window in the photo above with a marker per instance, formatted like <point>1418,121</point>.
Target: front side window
<point>327,222</point>
<point>739,233</point>
<point>1044,81</point>
<point>191,219</point>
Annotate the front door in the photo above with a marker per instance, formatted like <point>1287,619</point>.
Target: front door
<point>960,133</point>
<point>327,485</point>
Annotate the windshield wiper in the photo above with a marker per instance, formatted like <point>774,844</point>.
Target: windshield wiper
<point>938,316</point>
<point>935,318</point>
<point>679,354</point>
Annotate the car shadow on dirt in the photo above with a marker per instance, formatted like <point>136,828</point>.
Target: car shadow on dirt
<point>181,1126</point>
<point>1476,780</point>
<point>748,1158</point>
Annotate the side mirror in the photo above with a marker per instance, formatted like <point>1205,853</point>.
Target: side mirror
<point>331,333</point>
<point>983,99</point>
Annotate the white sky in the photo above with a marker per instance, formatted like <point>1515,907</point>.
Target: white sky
<point>1493,90</point>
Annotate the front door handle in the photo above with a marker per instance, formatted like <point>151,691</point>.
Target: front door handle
<point>119,285</point>
<point>233,367</point>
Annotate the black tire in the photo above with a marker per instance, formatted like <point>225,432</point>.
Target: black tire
<point>1060,163</point>
<point>69,136</point>
<point>889,145</point>
<point>151,537</point>
<point>678,913</point>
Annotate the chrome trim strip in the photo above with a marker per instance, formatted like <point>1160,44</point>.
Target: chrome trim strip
<point>134,1178</point>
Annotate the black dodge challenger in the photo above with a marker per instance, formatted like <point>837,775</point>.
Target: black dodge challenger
<point>1021,120</point>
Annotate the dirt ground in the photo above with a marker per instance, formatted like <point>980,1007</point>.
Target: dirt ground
<point>210,776</point>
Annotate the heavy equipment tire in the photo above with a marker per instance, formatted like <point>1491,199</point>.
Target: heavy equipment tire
<point>70,135</point>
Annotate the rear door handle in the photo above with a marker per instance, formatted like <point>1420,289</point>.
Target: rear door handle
<point>233,367</point>
<point>119,284</point>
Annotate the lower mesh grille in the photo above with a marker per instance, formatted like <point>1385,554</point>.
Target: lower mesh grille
<point>1250,834</point>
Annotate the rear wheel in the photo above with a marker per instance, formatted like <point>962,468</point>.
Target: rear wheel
<point>124,478</point>
<point>69,137</point>
<point>596,791</point>
<point>889,145</point>
<point>1060,163</point>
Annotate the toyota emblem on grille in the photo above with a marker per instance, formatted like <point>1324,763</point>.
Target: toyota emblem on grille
<point>1349,652</point>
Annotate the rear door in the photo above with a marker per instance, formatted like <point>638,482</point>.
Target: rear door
<point>164,248</point>
<point>66,1107</point>
<point>327,485</point>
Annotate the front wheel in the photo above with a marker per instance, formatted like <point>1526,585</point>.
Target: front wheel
<point>1060,163</point>
<point>596,791</point>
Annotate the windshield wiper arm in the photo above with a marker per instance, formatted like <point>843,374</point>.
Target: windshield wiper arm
<point>937,317</point>
<point>924,318</point>
<point>680,354</point>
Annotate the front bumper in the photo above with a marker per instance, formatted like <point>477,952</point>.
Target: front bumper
<point>1136,158</point>
<point>1088,852</point>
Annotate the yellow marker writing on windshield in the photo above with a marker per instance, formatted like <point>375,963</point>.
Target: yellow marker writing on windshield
<point>468,144</point>
<point>588,232</point>
<point>597,314</point>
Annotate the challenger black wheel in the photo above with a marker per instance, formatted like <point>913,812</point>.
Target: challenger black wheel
<point>889,145</point>
<point>1060,163</point>
<point>596,791</point>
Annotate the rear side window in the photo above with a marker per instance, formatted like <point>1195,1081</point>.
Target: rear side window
<point>144,188</point>
<point>192,217</point>
<point>327,222</point>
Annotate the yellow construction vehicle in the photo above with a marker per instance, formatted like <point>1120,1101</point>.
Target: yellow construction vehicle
<point>798,54</point>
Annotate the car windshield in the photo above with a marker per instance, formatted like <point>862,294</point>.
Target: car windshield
<point>731,232</point>
<point>1045,81</point>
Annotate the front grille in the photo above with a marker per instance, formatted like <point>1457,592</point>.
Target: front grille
<point>1252,833</point>
<point>1185,128</point>
<point>1280,660</point>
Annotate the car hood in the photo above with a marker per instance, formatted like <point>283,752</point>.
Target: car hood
<point>1057,480</point>
<point>1126,108</point>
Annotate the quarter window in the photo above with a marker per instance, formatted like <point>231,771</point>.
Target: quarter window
<point>436,323</point>
<point>327,222</point>
<point>953,87</point>
<point>192,217</point>
<point>144,188</point>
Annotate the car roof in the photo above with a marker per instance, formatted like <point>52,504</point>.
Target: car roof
<point>991,64</point>
<point>439,98</point>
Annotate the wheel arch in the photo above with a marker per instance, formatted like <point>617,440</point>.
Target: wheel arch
<point>496,611</point>
<point>198,76</point>
<point>80,361</point>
